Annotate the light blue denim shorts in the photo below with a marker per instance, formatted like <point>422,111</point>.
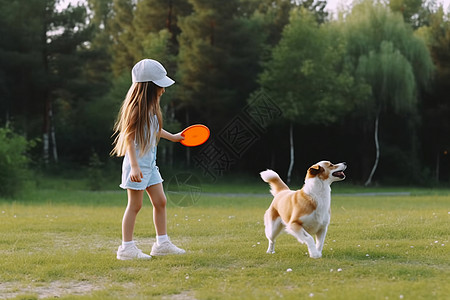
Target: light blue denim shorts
<point>150,178</point>
<point>149,170</point>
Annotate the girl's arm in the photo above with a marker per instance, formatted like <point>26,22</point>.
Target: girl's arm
<point>171,137</point>
<point>135,174</point>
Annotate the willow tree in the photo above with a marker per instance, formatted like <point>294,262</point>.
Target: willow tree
<point>306,75</point>
<point>388,57</point>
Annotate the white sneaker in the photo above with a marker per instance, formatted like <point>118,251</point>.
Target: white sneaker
<point>166,248</point>
<point>131,252</point>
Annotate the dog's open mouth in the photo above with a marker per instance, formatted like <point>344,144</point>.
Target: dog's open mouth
<point>339,174</point>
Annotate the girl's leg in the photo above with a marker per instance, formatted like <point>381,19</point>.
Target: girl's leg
<point>158,199</point>
<point>128,249</point>
<point>129,217</point>
<point>163,246</point>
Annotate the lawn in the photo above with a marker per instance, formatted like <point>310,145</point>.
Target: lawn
<point>62,243</point>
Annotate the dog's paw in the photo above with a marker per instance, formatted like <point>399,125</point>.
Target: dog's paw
<point>270,251</point>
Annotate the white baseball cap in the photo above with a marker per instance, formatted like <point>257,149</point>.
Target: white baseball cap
<point>151,70</point>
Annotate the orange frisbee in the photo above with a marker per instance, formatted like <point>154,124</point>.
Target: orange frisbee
<point>195,135</point>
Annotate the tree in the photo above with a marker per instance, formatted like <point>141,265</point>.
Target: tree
<point>122,34</point>
<point>216,61</point>
<point>42,59</point>
<point>436,107</point>
<point>409,9</point>
<point>307,76</point>
<point>136,25</point>
<point>152,16</point>
<point>99,67</point>
<point>386,55</point>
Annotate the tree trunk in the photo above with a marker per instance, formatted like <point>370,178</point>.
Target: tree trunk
<point>169,18</point>
<point>377,156</point>
<point>53,136</point>
<point>291,141</point>
<point>46,132</point>
<point>46,94</point>
<point>48,135</point>
<point>45,147</point>
<point>437,166</point>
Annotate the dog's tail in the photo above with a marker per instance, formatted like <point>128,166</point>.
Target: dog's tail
<point>273,179</point>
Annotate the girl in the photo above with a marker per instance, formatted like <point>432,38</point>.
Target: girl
<point>139,128</point>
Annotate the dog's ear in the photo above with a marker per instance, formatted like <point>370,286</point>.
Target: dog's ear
<point>316,169</point>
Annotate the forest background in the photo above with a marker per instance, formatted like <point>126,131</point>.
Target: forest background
<point>281,84</point>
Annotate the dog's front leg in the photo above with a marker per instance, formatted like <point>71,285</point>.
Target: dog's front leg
<point>271,249</point>
<point>304,237</point>
<point>320,239</point>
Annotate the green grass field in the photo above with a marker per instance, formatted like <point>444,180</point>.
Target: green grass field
<point>62,243</point>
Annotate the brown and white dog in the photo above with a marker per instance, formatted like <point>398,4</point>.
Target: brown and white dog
<point>304,212</point>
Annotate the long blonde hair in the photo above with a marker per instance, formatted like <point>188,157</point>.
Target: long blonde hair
<point>136,118</point>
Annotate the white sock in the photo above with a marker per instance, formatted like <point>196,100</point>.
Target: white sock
<point>126,244</point>
<point>161,239</point>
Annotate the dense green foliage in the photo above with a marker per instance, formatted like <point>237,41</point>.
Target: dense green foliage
<point>319,89</point>
<point>382,66</point>
<point>13,163</point>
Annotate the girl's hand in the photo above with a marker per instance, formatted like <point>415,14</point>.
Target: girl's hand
<point>136,174</point>
<point>177,137</point>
